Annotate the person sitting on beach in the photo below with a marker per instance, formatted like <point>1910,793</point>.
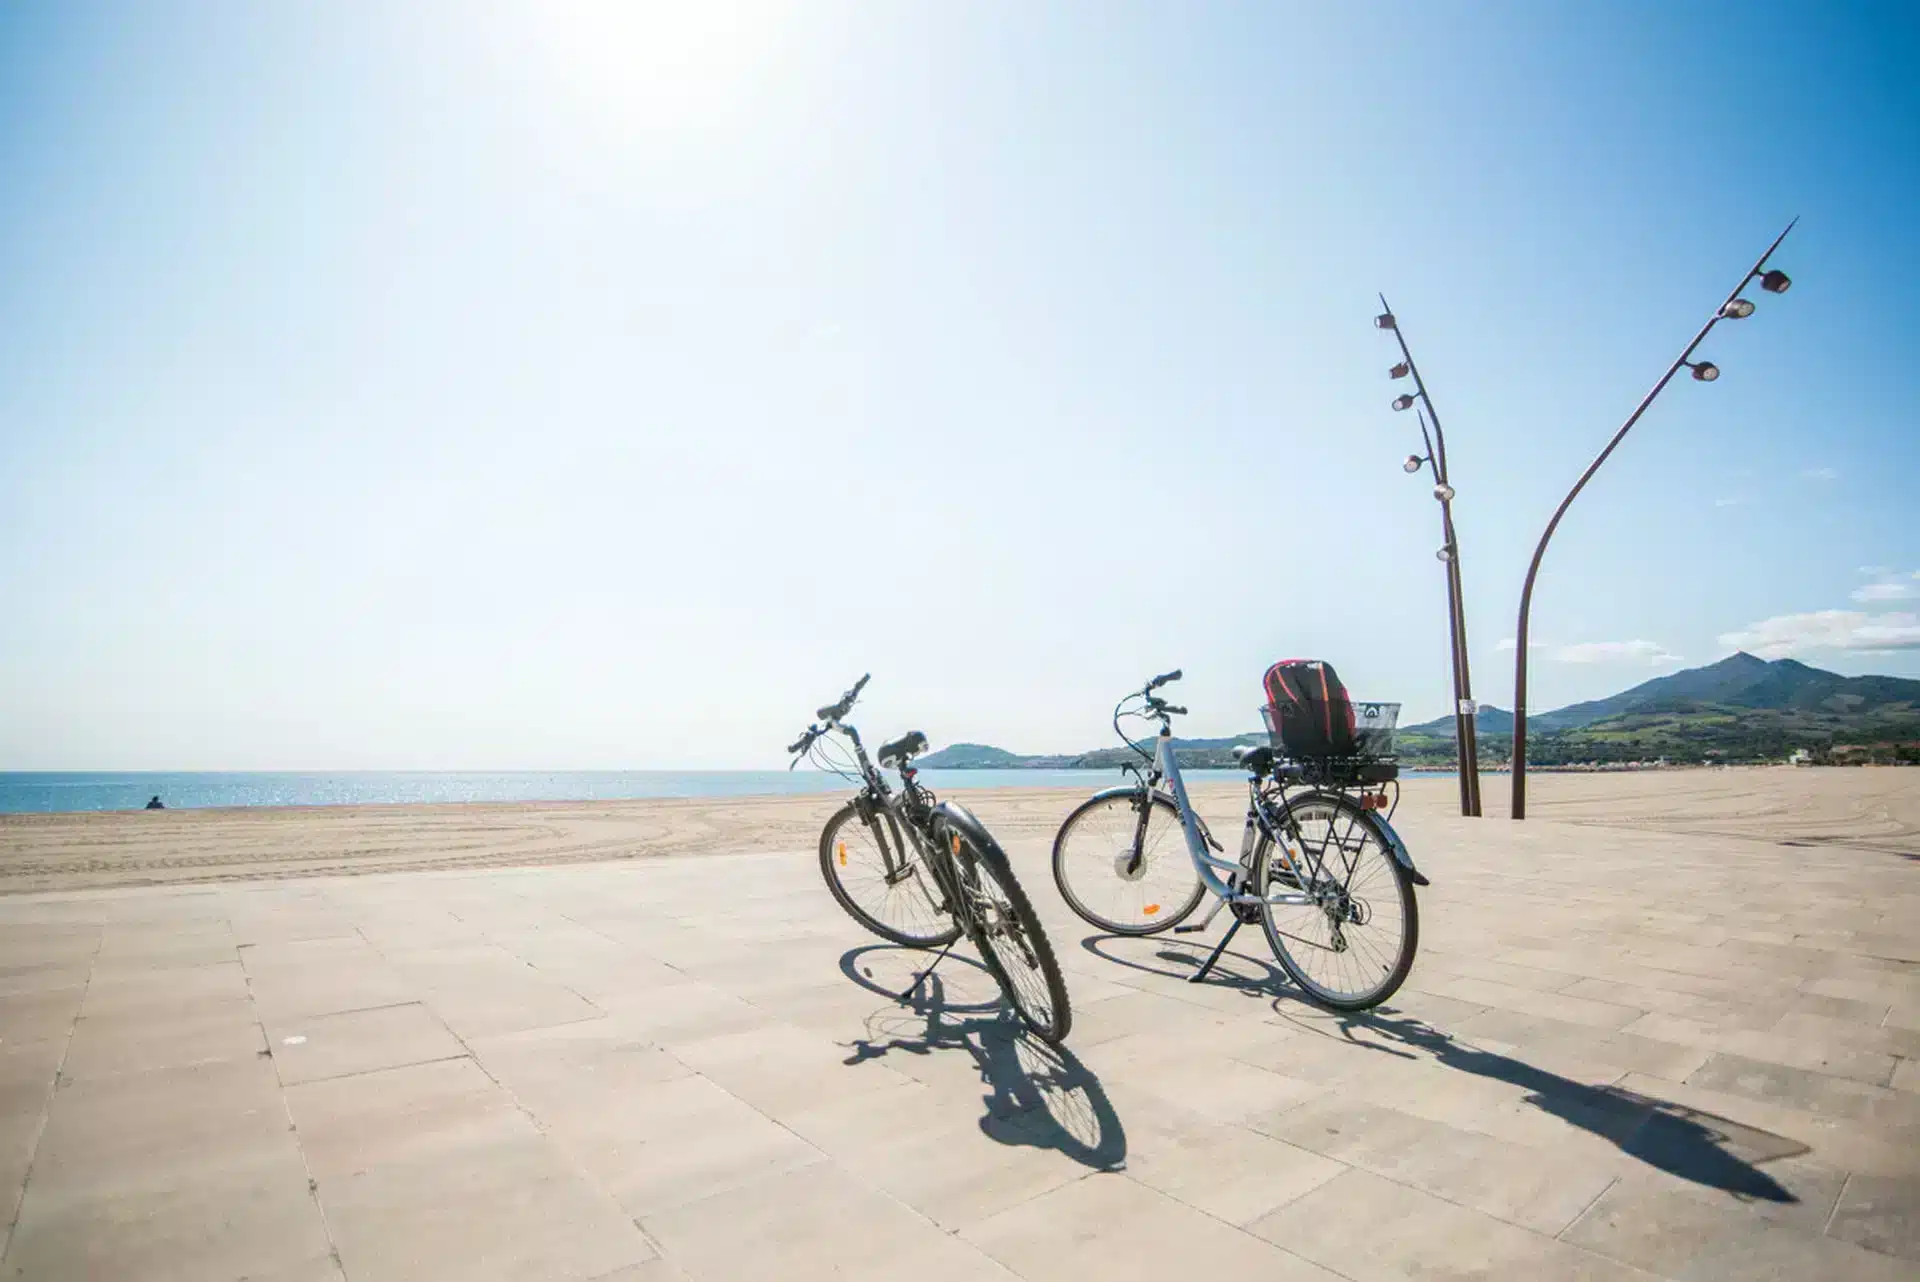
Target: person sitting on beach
<point>156,803</point>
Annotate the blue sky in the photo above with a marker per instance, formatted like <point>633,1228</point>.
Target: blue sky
<point>556,385</point>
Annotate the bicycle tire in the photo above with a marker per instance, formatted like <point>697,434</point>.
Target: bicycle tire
<point>883,828</point>
<point>1149,901</point>
<point>1284,942</point>
<point>1036,959</point>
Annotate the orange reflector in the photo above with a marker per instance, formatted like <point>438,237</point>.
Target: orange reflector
<point>954,838</point>
<point>843,854</point>
<point>1151,909</point>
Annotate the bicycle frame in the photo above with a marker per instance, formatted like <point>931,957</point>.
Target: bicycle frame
<point>914,816</point>
<point>1205,863</point>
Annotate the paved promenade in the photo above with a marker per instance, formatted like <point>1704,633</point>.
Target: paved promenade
<point>1623,1054</point>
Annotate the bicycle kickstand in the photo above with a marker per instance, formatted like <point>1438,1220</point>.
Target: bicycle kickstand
<point>921,978</point>
<point>1206,967</point>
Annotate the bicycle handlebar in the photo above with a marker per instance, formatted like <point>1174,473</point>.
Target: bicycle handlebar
<point>1173,708</point>
<point>1161,680</point>
<point>835,711</point>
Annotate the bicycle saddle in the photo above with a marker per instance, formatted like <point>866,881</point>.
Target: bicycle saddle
<point>1256,758</point>
<point>907,745</point>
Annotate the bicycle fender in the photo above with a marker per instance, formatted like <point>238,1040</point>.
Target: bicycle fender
<point>955,815</point>
<point>1128,790</point>
<point>1399,850</point>
<point>1133,790</point>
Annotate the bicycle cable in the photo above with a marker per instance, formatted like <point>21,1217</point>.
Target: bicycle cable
<point>1140,712</point>
<point>845,767</point>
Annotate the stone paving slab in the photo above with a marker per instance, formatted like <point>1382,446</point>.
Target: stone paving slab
<point>1621,1055</point>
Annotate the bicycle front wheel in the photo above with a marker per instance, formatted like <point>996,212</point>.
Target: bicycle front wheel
<point>1008,933</point>
<point>881,881</point>
<point>1121,864</point>
<point>1352,946</point>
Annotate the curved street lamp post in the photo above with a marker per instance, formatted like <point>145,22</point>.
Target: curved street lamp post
<point>1466,738</point>
<point>1735,308</point>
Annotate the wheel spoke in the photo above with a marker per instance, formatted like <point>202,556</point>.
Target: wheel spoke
<point>1019,959</point>
<point>868,873</point>
<point>1117,884</point>
<point>1348,948</point>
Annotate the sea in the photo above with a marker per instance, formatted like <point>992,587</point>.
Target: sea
<point>40,793</point>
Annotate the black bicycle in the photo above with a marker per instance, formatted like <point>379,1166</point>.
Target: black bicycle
<point>921,872</point>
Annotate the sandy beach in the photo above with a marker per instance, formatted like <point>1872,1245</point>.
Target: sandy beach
<point>1873,809</point>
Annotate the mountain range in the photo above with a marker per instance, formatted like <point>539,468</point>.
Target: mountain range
<point>1738,681</point>
<point>1742,708</point>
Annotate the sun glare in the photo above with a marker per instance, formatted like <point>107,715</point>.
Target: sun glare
<point>659,63</point>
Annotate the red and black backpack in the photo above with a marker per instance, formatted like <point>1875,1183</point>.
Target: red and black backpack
<point>1308,710</point>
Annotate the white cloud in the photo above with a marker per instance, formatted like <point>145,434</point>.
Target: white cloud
<point>1819,474</point>
<point>1892,590</point>
<point>1728,502</point>
<point>1879,571</point>
<point>1786,634</point>
<point>1648,652</point>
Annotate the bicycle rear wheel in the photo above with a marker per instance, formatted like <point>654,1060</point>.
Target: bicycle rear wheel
<point>1121,863</point>
<point>880,880</point>
<point>1351,949</point>
<point>1009,936</point>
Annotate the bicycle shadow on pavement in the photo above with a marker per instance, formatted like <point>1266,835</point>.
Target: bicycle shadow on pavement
<point>1256,977</point>
<point>1700,1147</point>
<point>1039,1096</point>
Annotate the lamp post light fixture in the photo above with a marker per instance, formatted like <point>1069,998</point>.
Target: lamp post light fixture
<point>1466,736</point>
<point>1773,281</point>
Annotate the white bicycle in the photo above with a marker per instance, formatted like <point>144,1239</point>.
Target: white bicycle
<point>1320,867</point>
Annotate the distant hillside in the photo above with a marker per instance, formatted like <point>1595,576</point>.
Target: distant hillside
<point>1742,708</point>
<point>1489,720</point>
<point>1743,681</point>
<point>972,756</point>
<point>1198,754</point>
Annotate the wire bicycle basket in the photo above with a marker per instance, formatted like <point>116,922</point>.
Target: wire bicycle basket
<point>1339,742</point>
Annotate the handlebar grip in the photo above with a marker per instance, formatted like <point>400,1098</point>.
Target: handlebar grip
<point>835,711</point>
<point>1163,678</point>
<point>799,743</point>
<point>1176,711</point>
